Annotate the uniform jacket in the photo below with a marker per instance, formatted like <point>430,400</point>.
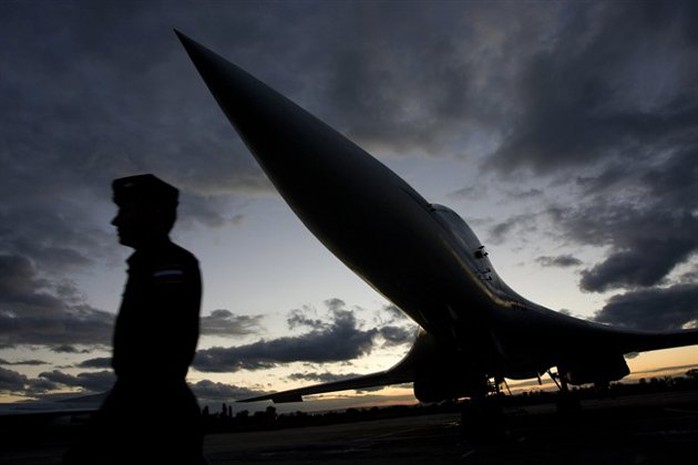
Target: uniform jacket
<point>157,327</point>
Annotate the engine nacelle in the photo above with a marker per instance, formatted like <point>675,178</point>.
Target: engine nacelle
<point>595,368</point>
<point>435,384</point>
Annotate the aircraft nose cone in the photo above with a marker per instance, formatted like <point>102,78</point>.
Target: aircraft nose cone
<point>242,97</point>
<point>347,198</point>
<point>305,158</point>
<point>282,136</point>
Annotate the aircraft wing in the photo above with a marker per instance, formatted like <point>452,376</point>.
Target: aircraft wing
<point>383,378</point>
<point>402,372</point>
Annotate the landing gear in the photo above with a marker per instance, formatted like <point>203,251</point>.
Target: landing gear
<point>567,401</point>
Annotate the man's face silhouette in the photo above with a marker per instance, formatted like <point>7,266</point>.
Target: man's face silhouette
<point>135,224</point>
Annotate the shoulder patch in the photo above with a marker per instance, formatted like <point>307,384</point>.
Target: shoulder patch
<point>168,274</point>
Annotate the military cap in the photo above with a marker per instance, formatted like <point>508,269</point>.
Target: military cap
<point>146,188</point>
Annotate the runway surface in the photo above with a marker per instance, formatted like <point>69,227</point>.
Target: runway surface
<point>658,429</point>
<point>637,430</point>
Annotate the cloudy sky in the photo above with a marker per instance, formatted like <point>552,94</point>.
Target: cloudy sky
<point>565,133</point>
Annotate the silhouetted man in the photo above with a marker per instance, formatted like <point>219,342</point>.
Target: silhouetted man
<point>150,415</point>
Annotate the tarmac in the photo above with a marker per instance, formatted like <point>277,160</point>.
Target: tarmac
<point>634,430</point>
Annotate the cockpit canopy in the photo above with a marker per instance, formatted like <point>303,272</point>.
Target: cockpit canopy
<point>459,230</point>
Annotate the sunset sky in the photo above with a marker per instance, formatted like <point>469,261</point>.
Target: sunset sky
<point>565,133</point>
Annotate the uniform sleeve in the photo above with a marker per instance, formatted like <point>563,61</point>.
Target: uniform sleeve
<point>174,309</point>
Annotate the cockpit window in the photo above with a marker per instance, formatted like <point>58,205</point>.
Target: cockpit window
<point>455,224</point>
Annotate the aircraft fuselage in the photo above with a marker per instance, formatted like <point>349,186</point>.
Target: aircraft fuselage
<point>422,257</point>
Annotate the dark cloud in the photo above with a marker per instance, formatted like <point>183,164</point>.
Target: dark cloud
<point>562,261</point>
<point>610,98</point>
<point>100,381</point>
<point>391,314</point>
<point>649,232</point>
<point>614,80</point>
<point>472,193</point>
<point>16,383</point>
<point>69,349</point>
<point>395,335</point>
<point>224,323</point>
<point>100,362</point>
<point>301,318</point>
<point>671,308</point>
<point>208,391</point>
<point>102,98</point>
<point>23,362</point>
<point>12,381</point>
<point>395,312</point>
<point>561,87</point>
<point>37,311</point>
<point>325,377</point>
<point>525,194</point>
<point>339,339</point>
<point>506,228</point>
